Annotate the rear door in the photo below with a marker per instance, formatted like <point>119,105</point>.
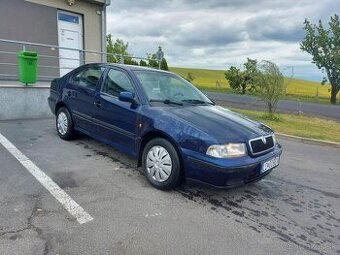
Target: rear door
<point>117,120</point>
<point>80,94</point>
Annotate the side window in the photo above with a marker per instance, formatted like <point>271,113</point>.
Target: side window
<point>88,78</point>
<point>116,82</point>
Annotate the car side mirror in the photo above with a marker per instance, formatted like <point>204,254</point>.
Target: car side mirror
<point>126,96</point>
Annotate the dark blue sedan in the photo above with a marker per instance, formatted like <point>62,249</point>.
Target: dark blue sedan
<point>172,128</point>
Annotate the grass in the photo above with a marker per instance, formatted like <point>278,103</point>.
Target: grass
<point>296,89</point>
<point>298,125</point>
<point>290,124</point>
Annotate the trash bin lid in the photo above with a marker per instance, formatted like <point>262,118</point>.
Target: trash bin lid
<point>29,53</point>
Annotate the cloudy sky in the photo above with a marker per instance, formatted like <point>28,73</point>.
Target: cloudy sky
<point>220,33</point>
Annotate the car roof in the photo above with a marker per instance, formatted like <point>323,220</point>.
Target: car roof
<point>130,67</point>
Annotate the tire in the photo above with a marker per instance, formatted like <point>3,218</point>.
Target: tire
<point>64,124</point>
<point>161,164</point>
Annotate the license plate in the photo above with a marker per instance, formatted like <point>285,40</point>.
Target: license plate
<point>270,164</point>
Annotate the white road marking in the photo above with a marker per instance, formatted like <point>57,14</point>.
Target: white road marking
<point>152,215</point>
<point>66,201</point>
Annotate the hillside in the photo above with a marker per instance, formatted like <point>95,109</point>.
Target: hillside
<point>206,79</point>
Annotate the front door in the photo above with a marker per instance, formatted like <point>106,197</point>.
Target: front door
<point>70,35</point>
<point>117,120</point>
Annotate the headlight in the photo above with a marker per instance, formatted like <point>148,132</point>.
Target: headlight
<point>227,150</point>
<point>274,139</point>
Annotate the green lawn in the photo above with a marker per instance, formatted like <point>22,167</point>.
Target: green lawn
<point>296,89</point>
<point>303,126</point>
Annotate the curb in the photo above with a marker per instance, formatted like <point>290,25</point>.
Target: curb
<point>308,140</point>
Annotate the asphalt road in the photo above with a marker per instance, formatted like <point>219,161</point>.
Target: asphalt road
<point>284,106</point>
<point>294,210</point>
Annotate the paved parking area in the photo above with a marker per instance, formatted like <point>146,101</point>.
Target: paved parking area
<point>295,210</point>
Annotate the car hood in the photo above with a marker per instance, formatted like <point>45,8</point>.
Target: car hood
<point>220,123</point>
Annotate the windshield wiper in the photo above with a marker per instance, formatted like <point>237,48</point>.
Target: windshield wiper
<point>166,101</point>
<point>196,101</point>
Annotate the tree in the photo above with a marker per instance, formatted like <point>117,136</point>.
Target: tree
<point>143,63</point>
<point>117,50</point>
<point>248,74</point>
<point>133,62</point>
<point>234,77</point>
<point>269,83</point>
<point>109,49</point>
<point>152,60</point>
<point>190,77</point>
<point>164,65</point>
<point>324,45</point>
<point>242,80</point>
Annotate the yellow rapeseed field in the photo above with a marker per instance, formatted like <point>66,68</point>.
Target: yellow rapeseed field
<point>215,79</point>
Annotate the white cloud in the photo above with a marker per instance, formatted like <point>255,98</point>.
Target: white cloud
<point>219,33</point>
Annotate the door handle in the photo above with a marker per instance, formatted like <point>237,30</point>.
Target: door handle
<point>98,104</point>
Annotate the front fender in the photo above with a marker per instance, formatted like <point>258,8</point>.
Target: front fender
<point>185,135</point>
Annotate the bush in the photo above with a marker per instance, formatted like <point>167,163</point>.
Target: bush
<point>269,84</point>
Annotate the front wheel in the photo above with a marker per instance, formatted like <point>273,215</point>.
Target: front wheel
<point>161,164</point>
<point>64,124</point>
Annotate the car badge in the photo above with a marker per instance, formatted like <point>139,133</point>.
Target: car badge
<point>264,140</point>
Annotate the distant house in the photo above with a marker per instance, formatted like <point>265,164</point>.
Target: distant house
<point>79,24</point>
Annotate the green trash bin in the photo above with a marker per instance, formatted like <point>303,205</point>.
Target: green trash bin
<point>27,70</point>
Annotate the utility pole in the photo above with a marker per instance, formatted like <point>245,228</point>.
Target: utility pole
<point>160,56</point>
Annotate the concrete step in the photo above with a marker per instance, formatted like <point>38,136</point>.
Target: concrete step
<point>18,101</point>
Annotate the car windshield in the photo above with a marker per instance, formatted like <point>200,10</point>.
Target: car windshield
<point>170,89</point>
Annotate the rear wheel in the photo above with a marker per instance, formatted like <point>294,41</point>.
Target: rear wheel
<point>161,164</point>
<point>64,124</point>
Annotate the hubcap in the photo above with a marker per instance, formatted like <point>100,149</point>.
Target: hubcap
<point>62,123</point>
<point>158,163</point>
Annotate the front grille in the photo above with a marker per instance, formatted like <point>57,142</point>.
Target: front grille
<point>261,145</point>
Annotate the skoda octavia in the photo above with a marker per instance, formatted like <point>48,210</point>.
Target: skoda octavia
<point>174,131</point>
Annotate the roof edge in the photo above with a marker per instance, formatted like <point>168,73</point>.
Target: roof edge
<point>99,2</point>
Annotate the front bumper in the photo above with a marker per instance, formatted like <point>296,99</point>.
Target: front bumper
<point>226,173</point>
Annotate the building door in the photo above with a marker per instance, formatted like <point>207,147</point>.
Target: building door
<point>70,35</point>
